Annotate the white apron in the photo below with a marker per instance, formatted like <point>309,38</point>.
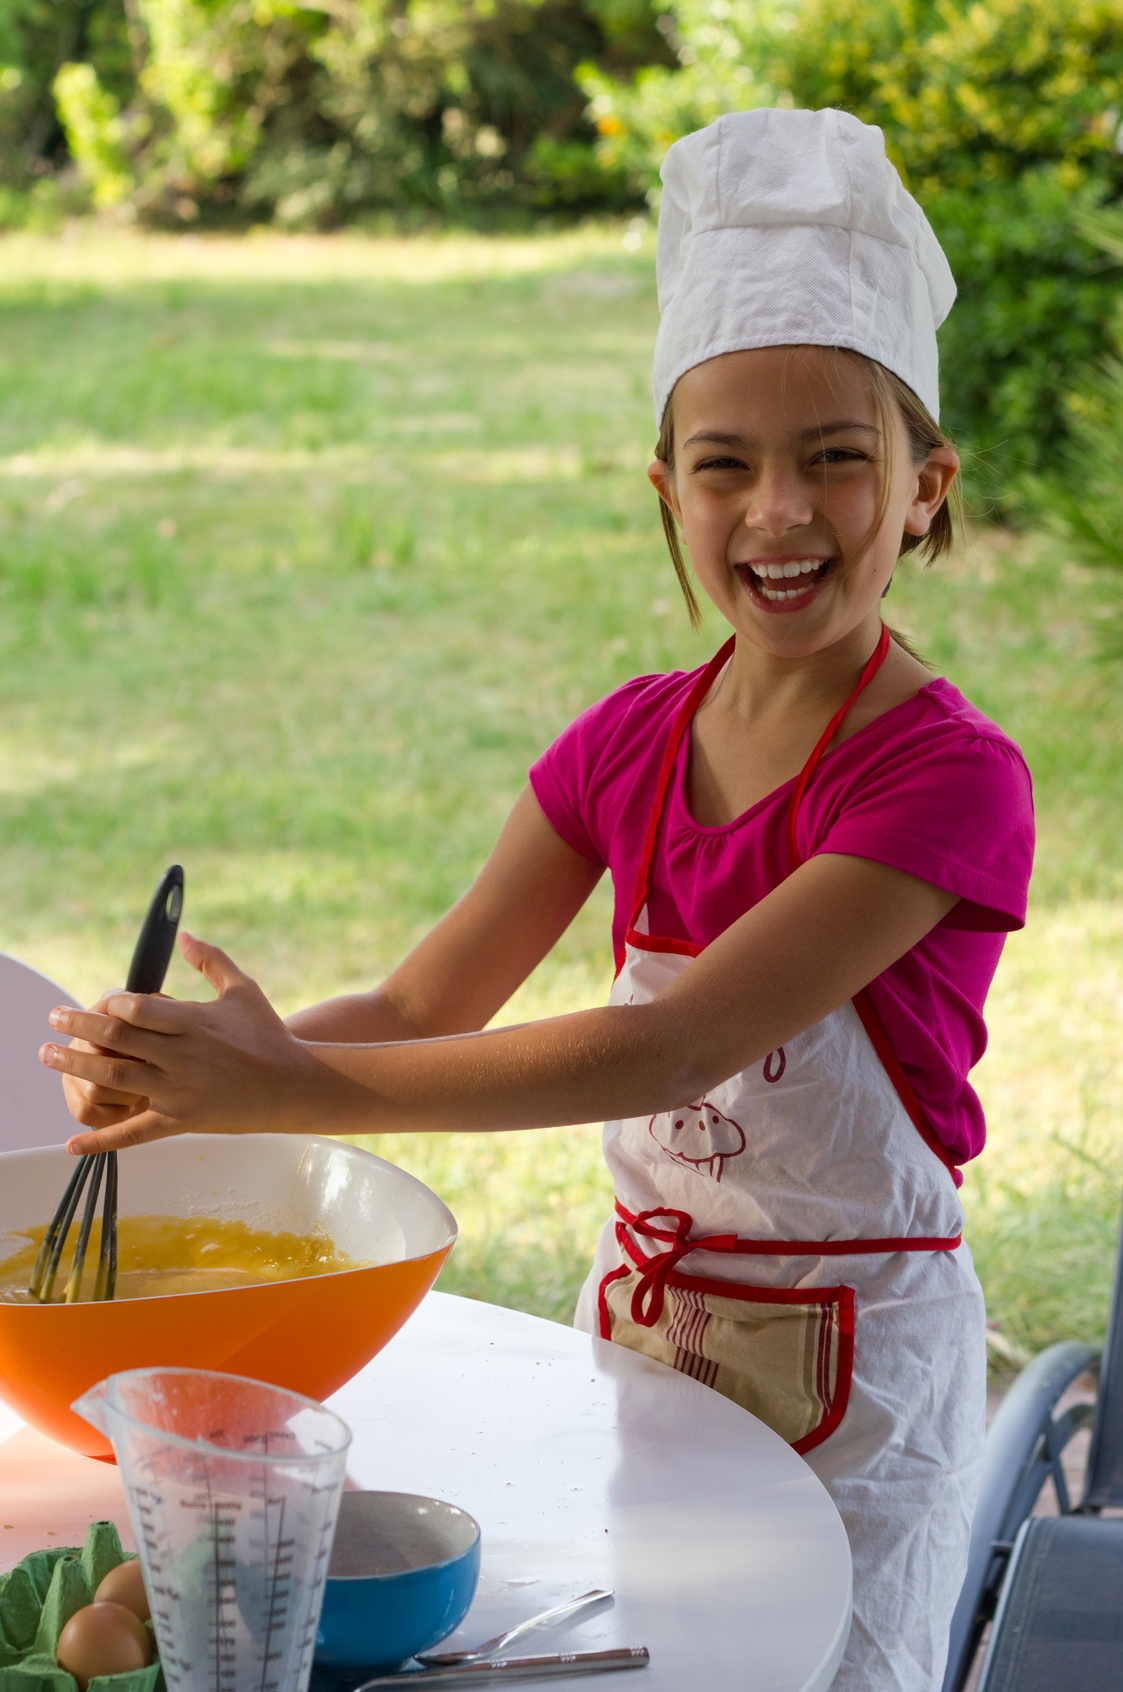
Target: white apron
<point>793,1240</point>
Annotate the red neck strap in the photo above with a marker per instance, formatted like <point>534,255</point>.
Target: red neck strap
<point>873,665</point>
<point>689,706</point>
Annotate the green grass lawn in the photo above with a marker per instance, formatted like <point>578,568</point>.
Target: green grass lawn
<point>308,546</point>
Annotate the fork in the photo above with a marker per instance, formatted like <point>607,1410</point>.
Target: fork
<point>587,1604</point>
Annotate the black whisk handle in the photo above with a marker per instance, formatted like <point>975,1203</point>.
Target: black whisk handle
<point>157,935</point>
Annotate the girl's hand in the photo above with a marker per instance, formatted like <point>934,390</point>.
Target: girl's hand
<point>142,1067</point>
<point>94,1106</point>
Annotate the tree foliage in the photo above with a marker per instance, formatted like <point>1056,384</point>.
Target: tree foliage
<point>312,113</point>
<point>1083,499</point>
<point>1004,118</point>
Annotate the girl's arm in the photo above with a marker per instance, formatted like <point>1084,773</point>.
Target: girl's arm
<point>233,1066</point>
<point>468,966</point>
<point>461,974</point>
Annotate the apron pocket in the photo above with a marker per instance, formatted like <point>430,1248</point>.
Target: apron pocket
<point>786,1356</point>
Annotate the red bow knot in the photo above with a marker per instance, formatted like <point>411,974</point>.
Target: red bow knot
<point>651,1288</point>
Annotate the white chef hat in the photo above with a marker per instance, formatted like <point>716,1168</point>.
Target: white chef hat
<point>789,228</point>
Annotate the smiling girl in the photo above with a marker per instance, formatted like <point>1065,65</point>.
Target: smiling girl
<point>816,849</point>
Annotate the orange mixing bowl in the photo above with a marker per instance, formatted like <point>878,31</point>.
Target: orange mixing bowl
<point>309,1335</point>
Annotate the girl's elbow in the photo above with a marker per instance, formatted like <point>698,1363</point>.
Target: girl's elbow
<point>690,1083</point>
<point>682,1065</point>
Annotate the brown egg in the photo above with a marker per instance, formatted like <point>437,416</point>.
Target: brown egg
<point>102,1639</point>
<point>125,1585</point>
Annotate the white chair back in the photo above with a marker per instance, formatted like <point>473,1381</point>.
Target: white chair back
<point>32,1109</point>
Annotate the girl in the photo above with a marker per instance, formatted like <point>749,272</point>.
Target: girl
<point>816,850</point>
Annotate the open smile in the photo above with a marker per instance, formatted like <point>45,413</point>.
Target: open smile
<point>784,584</point>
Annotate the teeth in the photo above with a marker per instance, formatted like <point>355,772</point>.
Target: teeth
<point>795,567</point>
<point>780,593</point>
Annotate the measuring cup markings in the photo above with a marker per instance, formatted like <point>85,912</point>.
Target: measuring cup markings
<point>278,1606</point>
<point>234,1527</point>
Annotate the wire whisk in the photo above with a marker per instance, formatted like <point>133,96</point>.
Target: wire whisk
<point>146,975</point>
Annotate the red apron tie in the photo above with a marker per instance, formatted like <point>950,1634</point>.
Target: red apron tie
<point>651,1288</point>
<point>654,1272</point>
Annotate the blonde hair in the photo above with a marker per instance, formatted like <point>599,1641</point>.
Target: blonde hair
<point>890,395</point>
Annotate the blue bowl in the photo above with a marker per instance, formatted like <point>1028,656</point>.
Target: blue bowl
<point>402,1577</point>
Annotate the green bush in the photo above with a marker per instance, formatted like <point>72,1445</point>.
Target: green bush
<point>1003,115</point>
<point>36,37</point>
<point>311,115</point>
<point>1083,503</point>
<point>1004,118</point>
<point>718,68</point>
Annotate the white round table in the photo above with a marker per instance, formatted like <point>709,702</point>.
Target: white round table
<point>586,1465</point>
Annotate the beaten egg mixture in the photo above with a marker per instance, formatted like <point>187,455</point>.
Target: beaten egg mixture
<point>161,1255</point>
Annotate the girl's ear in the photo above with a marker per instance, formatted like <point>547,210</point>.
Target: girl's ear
<point>933,483</point>
<point>662,480</point>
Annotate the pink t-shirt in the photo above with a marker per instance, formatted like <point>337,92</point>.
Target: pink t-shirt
<point>930,787</point>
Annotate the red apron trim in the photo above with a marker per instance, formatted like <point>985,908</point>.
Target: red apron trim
<point>844,1311</point>
<point>902,1086</point>
<point>837,1301</point>
<point>602,1300</point>
<point>690,704</point>
<point>863,1004</point>
<point>874,663</point>
<point>660,943</point>
<point>649,1296</point>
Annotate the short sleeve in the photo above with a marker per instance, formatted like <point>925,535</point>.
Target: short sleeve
<point>953,807</point>
<point>558,785</point>
<point>592,769</point>
<point>596,781</point>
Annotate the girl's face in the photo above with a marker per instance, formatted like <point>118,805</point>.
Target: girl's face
<point>780,473</point>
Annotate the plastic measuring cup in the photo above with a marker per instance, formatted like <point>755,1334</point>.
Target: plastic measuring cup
<point>233,1490</point>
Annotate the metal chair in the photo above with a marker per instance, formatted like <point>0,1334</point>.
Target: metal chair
<point>32,1109</point>
<point>1052,1584</point>
<point>1059,1622</point>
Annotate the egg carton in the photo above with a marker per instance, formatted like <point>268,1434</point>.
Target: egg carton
<point>38,1598</point>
